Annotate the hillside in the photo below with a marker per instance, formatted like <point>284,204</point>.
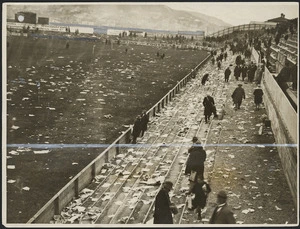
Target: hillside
<point>134,16</point>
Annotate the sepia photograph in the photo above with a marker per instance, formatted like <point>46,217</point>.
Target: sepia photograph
<point>150,114</point>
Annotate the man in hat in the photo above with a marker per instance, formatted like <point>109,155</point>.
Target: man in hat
<point>258,93</point>
<point>227,73</point>
<point>196,159</point>
<point>163,206</point>
<point>238,95</point>
<point>222,213</point>
<point>209,107</point>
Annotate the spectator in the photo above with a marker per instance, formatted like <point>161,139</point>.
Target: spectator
<point>213,61</point>
<point>204,79</point>
<point>294,77</point>
<point>201,189</point>
<point>258,93</point>
<point>209,107</point>
<point>284,76</point>
<point>251,72</point>
<point>136,129</point>
<point>219,64</point>
<point>237,72</point>
<point>227,73</point>
<point>163,207</point>
<point>195,162</point>
<point>244,70</point>
<point>222,213</point>
<point>238,95</point>
<point>225,56</point>
<point>259,74</point>
<point>144,122</point>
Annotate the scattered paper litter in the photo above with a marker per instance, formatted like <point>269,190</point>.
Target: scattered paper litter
<point>26,188</point>
<point>277,208</point>
<point>13,152</point>
<point>11,167</point>
<point>11,181</point>
<point>41,151</point>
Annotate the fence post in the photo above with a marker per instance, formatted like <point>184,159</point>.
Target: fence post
<point>56,206</point>
<point>76,187</point>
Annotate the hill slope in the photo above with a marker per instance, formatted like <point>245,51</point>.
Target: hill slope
<point>134,16</point>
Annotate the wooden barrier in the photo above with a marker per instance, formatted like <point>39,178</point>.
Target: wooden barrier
<point>83,178</point>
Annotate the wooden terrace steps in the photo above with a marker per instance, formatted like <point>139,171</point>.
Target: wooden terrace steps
<point>120,193</point>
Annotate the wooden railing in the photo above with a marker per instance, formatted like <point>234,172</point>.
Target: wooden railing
<point>72,189</point>
<point>245,27</point>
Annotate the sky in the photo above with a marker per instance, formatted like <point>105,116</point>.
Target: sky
<point>237,13</point>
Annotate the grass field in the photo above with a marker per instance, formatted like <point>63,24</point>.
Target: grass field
<point>74,96</point>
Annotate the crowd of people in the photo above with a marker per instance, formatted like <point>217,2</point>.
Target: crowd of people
<point>197,194</point>
<point>199,189</point>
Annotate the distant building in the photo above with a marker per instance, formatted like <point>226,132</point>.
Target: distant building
<point>43,20</point>
<point>25,17</point>
<point>85,30</point>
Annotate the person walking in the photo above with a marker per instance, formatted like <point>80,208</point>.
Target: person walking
<point>195,161</point>
<point>219,64</point>
<point>222,213</point>
<point>237,72</point>
<point>204,79</point>
<point>136,129</point>
<point>144,122</point>
<point>201,190</point>
<point>258,93</point>
<point>238,95</point>
<point>163,207</point>
<point>227,73</point>
<point>251,72</point>
<point>244,71</point>
<point>209,107</point>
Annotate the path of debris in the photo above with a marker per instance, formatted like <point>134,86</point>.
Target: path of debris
<point>124,191</point>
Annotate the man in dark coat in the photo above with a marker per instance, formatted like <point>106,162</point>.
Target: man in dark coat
<point>201,189</point>
<point>219,64</point>
<point>251,72</point>
<point>238,95</point>
<point>237,72</point>
<point>204,79</point>
<point>209,107</point>
<point>144,122</point>
<point>196,159</point>
<point>136,129</point>
<point>258,93</point>
<point>222,213</point>
<point>163,206</point>
<point>244,71</point>
<point>227,74</point>
<point>284,76</point>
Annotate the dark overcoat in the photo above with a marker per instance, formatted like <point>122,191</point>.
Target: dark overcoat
<point>200,194</point>
<point>209,105</point>
<point>144,122</point>
<point>238,94</point>
<point>136,128</point>
<point>258,93</point>
<point>197,156</point>
<point>162,211</point>
<point>224,216</point>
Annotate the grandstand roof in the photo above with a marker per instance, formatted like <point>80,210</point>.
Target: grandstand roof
<point>279,20</point>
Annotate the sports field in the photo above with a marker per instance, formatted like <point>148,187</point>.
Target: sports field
<point>86,93</point>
